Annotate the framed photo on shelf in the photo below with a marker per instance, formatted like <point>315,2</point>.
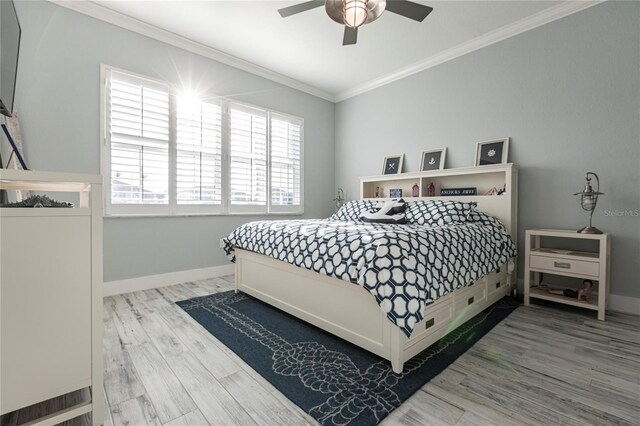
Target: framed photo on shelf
<point>392,164</point>
<point>492,152</point>
<point>395,193</point>
<point>433,159</point>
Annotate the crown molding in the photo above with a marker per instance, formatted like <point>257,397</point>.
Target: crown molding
<point>541,18</point>
<point>102,13</point>
<point>548,15</point>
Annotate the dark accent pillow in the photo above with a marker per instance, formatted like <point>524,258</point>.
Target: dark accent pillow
<point>399,206</point>
<point>438,212</point>
<point>387,219</point>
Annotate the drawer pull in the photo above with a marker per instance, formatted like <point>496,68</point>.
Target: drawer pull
<point>563,265</point>
<point>498,284</point>
<point>498,271</point>
<point>470,300</point>
<point>429,323</point>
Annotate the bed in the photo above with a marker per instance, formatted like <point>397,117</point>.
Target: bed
<point>392,289</point>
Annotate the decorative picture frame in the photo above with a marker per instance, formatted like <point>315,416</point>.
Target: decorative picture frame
<point>492,152</point>
<point>392,164</point>
<point>433,159</point>
<point>395,193</point>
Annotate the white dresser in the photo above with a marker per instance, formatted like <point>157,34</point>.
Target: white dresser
<point>51,296</point>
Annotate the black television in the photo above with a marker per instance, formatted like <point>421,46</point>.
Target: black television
<point>9,48</point>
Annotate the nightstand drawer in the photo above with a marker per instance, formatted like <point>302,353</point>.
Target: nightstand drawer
<point>562,266</point>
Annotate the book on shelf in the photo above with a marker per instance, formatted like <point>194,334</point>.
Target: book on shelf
<point>458,191</point>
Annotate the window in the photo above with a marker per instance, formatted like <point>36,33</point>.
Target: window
<point>166,153</point>
<point>247,159</point>
<point>199,153</point>
<point>139,130</point>
<point>286,160</point>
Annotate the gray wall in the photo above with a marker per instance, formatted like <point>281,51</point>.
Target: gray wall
<point>58,100</point>
<point>568,95</point>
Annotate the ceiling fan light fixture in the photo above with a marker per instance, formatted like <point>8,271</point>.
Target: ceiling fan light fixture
<point>355,12</point>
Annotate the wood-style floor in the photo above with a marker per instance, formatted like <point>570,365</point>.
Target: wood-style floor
<point>542,365</point>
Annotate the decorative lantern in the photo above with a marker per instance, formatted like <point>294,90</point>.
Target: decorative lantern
<point>588,201</point>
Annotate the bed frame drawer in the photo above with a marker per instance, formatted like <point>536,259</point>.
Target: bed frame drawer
<point>435,318</point>
<point>470,297</point>
<point>496,281</point>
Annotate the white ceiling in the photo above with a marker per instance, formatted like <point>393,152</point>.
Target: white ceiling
<point>308,47</point>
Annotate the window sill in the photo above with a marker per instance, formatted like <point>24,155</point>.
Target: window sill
<point>158,215</point>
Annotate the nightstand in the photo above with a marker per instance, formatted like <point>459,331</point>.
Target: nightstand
<point>542,256</point>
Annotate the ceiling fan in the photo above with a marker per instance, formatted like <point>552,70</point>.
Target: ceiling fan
<point>355,13</point>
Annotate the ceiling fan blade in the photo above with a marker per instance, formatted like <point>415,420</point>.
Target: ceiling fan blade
<point>301,7</point>
<point>350,36</point>
<point>409,9</point>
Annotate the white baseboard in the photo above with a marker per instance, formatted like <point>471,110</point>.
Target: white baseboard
<point>111,288</point>
<point>626,304</point>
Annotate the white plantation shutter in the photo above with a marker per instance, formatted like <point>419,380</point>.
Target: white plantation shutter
<point>247,159</point>
<point>199,153</point>
<point>286,162</point>
<point>139,141</point>
<point>168,154</point>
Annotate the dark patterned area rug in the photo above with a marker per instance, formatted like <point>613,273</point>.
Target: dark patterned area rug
<point>336,382</point>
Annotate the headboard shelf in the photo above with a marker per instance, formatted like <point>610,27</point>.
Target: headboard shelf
<point>482,178</point>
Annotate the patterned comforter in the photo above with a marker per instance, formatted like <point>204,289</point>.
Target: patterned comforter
<point>402,266</point>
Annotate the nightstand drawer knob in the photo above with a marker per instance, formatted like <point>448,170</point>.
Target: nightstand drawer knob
<point>470,300</point>
<point>498,284</point>
<point>563,265</point>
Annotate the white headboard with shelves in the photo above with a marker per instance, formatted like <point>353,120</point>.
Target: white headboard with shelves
<point>483,178</point>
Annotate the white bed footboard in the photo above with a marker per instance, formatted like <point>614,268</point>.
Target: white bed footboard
<point>348,311</point>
